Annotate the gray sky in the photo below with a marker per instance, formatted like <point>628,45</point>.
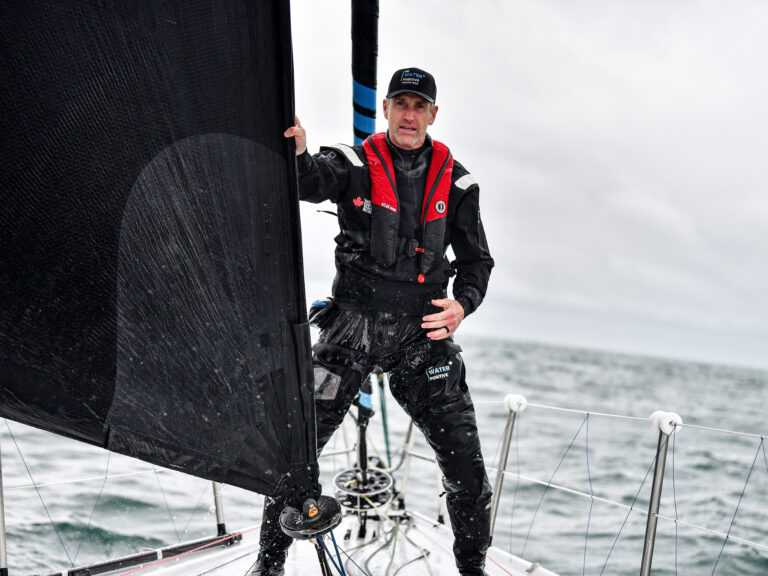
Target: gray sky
<point>620,149</point>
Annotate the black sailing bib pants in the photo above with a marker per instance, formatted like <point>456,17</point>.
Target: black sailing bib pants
<point>428,380</point>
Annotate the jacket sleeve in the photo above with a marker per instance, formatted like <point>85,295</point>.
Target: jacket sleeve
<point>322,176</point>
<point>473,262</point>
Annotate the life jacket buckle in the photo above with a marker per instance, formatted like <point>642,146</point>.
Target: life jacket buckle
<point>412,248</point>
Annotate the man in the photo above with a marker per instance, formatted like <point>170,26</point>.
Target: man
<point>401,200</point>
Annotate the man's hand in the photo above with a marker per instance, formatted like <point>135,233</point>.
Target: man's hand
<point>299,134</point>
<point>444,323</point>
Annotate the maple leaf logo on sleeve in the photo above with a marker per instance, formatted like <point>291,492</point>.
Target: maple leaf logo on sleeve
<point>358,202</point>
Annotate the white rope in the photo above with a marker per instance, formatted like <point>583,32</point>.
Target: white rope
<point>722,431</point>
<point>621,416</point>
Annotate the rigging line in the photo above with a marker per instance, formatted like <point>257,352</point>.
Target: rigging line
<point>632,507</point>
<point>39,495</point>
<point>765,458</point>
<point>422,556</point>
<point>639,511</point>
<point>198,549</point>
<point>380,510</point>
<point>591,503</point>
<point>743,490</point>
<point>546,488</point>
<point>329,556</point>
<point>575,411</point>
<point>93,511</point>
<point>572,410</point>
<point>338,556</point>
<point>353,562</point>
<point>195,510</point>
<point>167,507</point>
<point>394,548</point>
<point>387,542</point>
<point>76,480</point>
<point>720,430</point>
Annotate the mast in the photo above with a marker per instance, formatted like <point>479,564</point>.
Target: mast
<point>365,39</point>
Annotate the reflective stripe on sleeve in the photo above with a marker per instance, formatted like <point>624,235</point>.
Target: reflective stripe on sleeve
<point>465,181</point>
<point>349,153</point>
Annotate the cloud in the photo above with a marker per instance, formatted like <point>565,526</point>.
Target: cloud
<point>619,146</point>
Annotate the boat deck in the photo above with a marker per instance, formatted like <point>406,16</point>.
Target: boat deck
<point>407,547</point>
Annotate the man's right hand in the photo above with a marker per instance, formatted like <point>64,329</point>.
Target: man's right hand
<point>299,134</point>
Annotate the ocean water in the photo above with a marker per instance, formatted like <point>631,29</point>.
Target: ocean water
<point>714,480</point>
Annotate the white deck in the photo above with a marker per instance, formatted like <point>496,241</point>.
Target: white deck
<point>421,547</point>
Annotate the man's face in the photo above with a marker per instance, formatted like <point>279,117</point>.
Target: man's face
<point>408,115</point>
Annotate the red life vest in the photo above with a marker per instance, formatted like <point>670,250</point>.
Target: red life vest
<point>385,216</point>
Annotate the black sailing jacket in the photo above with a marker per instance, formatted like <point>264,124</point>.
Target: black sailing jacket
<point>340,174</point>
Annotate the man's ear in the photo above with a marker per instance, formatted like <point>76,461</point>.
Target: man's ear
<point>385,106</point>
<point>434,113</point>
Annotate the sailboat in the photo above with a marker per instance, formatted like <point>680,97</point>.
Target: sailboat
<point>151,272</point>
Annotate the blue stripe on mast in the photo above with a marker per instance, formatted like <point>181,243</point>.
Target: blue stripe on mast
<point>364,124</point>
<point>366,98</point>
<point>363,96</point>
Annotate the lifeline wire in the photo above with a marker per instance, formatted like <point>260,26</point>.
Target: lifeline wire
<point>546,488</point>
<point>743,490</point>
<point>72,564</point>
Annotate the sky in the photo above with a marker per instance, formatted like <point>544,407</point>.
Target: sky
<point>620,148</point>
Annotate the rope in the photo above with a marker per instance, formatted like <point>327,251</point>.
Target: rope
<point>632,507</point>
<point>394,549</point>
<point>29,473</point>
<point>620,416</point>
<point>93,511</point>
<point>380,511</point>
<point>76,480</point>
<point>355,549</point>
<point>743,490</point>
<point>329,556</point>
<point>195,510</point>
<point>392,533</point>
<point>546,489</point>
<point>167,507</point>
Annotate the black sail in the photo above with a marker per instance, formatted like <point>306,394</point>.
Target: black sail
<point>151,282</point>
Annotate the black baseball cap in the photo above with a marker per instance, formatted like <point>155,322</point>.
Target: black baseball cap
<point>413,80</point>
